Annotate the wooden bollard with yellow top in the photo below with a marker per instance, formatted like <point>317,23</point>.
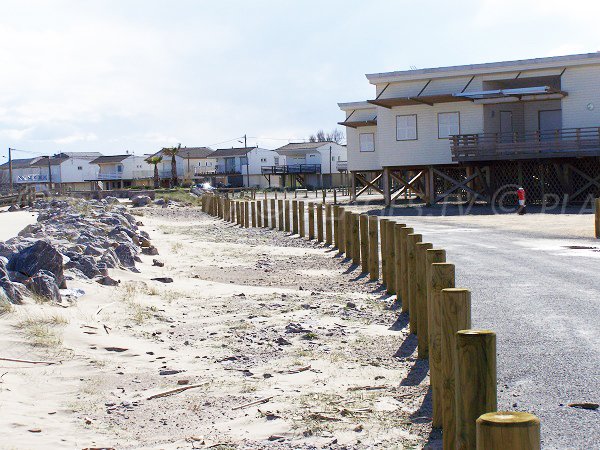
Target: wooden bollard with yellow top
<point>476,390</point>
<point>456,316</point>
<point>273,214</point>
<point>421,299</point>
<point>311,221</point>
<point>404,280</point>
<point>364,242</point>
<point>319,208</point>
<point>442,277</point>
<point>512,430</point>
<point>391,257</point>
<point>301,219</point>
<point>384,261</point>
<point>373,248</point>
<point>286,215</point>
<point>355,239</point>
<point>328,225</point>
<point>280,216</point>
<point>294,216</point>
<point>265,212</point>
<point>411,263</point>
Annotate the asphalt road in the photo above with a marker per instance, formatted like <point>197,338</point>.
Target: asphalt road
<point>543,301</point>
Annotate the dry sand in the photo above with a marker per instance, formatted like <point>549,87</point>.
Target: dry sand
<point>252,314</point>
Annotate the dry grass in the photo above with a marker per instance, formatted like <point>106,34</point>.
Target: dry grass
<point>41,331</point>
<point>6,307</point>
<point>176,247</point>
<point>181,196</point>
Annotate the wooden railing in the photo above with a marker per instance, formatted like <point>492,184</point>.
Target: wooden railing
<point>566,142</point>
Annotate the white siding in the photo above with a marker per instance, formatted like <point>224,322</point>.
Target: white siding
<point>358,160</point>
<point>583,86</point>
<point>427,149</point>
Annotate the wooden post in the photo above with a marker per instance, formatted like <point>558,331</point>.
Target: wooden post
<point>240,219</point>
<point>328,225</point>
<point>384,243</point>
<point>355,239</point>
<point>319,207</point>
<point>373,248</point>
<point>259,213</point>
<point>246,214</point>
<point>456,316</point>
<point>266,212</point>
<point>280,216</point>
<point>421,299</point>
<point>442,277</point>
<point>404,280</point>
<point>253,214</point>
<point>311,221</point>
<point>301,219</point>
<point>286,215</point>
<point>411,261</point>
<point>508,430</point>
<point>336,226</point>
<point>348,233</point>
<point>435,255</point>
<point>398,260</point>
<point>342,230</point>
<point>475,382</point>
<point>294,216</point>
<point>391,257</point>
<point>273,219</point>
<point>597,212</point>
<point>364,242</point>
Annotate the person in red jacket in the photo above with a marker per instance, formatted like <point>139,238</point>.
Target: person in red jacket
<point>521,195</point>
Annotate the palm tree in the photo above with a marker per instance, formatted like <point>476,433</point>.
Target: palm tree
<point>172,152</point>
<point>156,161</point>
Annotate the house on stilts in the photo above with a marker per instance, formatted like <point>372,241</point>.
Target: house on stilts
<point>478,132</point>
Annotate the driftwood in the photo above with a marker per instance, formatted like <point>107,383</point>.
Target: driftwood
<point>175,391</point>
<point>298,370</point>
<point>367,388</point>
<point>48,363</point>
<point>256,402</point>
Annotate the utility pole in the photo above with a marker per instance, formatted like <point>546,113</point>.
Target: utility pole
<point>10,173</point>
<point>49,175</point>
<point>330,173</point>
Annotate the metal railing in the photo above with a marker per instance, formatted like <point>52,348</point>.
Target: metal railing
<point>342,166</point>
<point>110,176</point>
<point>291,168</point>
<point>563,142</point>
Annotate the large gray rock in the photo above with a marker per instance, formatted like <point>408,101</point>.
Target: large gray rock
<point>111,200</point>
<point>109,258</point>
<point>44,284</point>
<point>86,264</point>
<point>141,200</point>
<point>126,255</point>
<point>11,292</point>
<point>39,256</point>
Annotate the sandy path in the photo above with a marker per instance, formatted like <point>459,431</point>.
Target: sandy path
<point>247,309</point>
<point>13,222</point>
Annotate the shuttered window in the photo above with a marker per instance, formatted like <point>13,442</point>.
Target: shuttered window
<point>448,124</point>
<point>367,142</point>
<point>406,128</point>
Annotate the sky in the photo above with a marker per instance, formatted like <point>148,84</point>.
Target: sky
<point>139,75</point>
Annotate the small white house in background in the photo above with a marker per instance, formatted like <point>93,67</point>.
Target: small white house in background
<point>244,166</point>
<point>67,171</point>
<point>122,171</point>
<point>192,163</point>
<point>314,164</point>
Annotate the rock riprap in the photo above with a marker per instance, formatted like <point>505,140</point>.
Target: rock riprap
<point>71,239</point>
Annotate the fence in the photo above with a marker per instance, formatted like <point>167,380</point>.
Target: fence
<point>462,360</point>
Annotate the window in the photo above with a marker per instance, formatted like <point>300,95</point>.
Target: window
<point>333,158</point>
<point>244,160</point>
<point>276,160</point>
<point>79,168</point>
<point>367,142</point>
<point>200,164</point>
<point>406,128</point>
<point>263,159</point>
<point>448,124</point>
<point>119,168</point>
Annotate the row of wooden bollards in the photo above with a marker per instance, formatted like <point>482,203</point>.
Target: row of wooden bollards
<point>462,361</point>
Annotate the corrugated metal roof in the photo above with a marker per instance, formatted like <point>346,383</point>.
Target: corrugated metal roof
<point>43,162</point>
<point>189,152</point>
<point>303,145</point>
<point>79,154</point>
<point>230,152</point>
<point>109,159</point>
<point>19,163</point>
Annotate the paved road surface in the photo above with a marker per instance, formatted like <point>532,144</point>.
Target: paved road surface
<point>543,301</point>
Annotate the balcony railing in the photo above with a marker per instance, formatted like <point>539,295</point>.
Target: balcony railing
<point>566,142</point>
<point>342,166</point>
<point>292,168</point>
<point>110,176</point>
